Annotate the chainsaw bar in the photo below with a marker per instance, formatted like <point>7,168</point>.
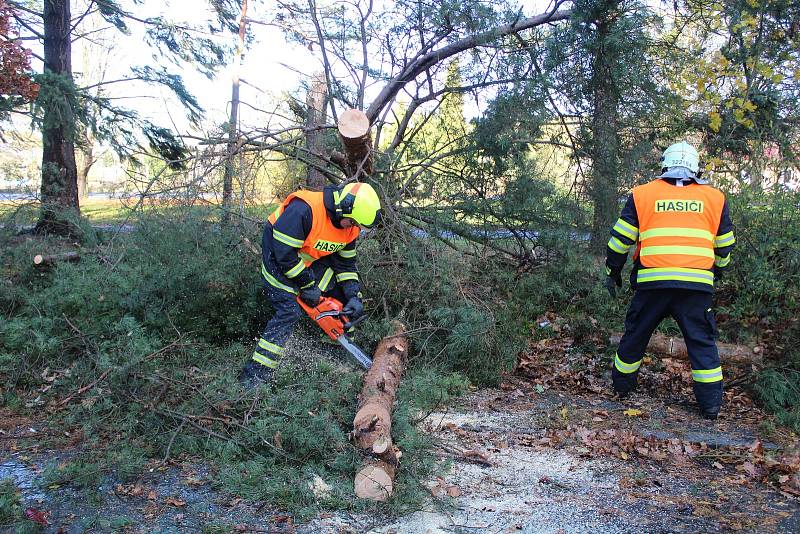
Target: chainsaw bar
<point>357,354</point>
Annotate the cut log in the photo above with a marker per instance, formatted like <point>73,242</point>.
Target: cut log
<point>676,348</point>
<point>354,133</point>
<point>42,260</point>
<point>372,425</point>
<point>375,481</point>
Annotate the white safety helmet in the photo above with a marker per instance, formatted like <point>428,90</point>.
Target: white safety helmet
<point>681,155</point>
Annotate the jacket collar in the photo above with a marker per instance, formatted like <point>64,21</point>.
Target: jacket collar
<point>330,206</point>
<point>681,176</point>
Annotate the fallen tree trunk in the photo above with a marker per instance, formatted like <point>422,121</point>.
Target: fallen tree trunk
<point>42,260</point>
<point>676,348</point>
<point>353,129</point>
<point>372,425</point>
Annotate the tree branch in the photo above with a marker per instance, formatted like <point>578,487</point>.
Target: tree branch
<point>425,61</point>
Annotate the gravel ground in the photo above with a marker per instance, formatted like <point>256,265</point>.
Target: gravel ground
<point>502,479</point>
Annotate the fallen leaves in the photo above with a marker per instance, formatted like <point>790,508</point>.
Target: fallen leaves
<point>174,501</point>
<point>440,488</point>
<point>632,412</point>
<point>37,516</point>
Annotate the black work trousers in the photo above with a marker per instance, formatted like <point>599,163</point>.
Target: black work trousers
<point>279,328</point>
<point>692,311</point>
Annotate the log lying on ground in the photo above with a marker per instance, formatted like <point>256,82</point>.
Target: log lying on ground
<point>372,425</point>
<point>353,129</point>
<point>676,348</point>
<point>42,260</point>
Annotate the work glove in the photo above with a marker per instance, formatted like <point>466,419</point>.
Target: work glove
<point>310,294</point>
<point>353,309</point>
<point>613,281</point>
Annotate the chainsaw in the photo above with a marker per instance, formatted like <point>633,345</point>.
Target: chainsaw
<point>328,315</point>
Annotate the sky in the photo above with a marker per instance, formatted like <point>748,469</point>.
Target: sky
<point>272,65</point>
<point>264,70</point>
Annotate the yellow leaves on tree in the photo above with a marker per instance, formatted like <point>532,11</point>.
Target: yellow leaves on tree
<point>714,121</point>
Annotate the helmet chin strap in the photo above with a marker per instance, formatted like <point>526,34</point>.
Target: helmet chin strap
<point>338,214</point>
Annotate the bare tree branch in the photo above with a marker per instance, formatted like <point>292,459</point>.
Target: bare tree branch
<point>425,61</point>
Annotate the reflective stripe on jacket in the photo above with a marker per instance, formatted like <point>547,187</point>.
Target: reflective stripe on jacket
<point>324,238</point>
<point>677,234</point>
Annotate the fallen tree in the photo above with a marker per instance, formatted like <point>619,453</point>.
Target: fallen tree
<point>372,425</point>
<point>676,348</point>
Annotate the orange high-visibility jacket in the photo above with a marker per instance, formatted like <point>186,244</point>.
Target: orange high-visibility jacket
<point>682,234</point>
<point>324,238</point>
<point>677,225</point>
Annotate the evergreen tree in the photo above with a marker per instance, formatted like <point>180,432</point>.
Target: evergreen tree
<point>61,106</point>
<point>603,64</point>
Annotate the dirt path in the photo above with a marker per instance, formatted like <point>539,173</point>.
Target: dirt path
<point>535,485</point>
<point>523,460</point>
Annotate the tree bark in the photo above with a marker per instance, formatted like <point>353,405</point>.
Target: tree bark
<point>316,116</point>
<point>44,260</point>
<point>372,425</point>
<point>233,122</point>
<point>85,159</point>
<point>59,192</point>
<point>605,134</point>
<point>355,136</point>
<point>676,348</point>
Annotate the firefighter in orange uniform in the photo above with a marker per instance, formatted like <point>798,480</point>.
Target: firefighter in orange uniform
<point>308,250</point>
<point>683,237</point>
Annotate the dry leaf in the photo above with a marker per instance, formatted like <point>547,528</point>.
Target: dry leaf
<point>174,501</point>
<point>632,412</point>
<point>37,516</point>
<point>453,491</point>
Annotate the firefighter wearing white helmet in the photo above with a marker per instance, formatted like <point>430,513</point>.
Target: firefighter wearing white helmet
<point>309,250</point>
<point>682,236</point>
<point>681,155</point>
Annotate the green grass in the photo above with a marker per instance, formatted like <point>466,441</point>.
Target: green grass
<point>11,513</point>
<point>116,211</point>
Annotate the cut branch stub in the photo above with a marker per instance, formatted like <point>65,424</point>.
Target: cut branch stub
<point>353,129</point>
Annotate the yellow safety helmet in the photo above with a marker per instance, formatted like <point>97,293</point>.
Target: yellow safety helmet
<point>358,201</point>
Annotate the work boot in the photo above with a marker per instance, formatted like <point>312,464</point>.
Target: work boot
<point>624,384</point>
<point>711,413</point>
<point>709,398</point>
<point>254,374</point>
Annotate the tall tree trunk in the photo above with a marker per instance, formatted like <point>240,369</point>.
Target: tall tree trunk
<point>233,123</point>
<point>316,116</point>
<point>85,159</point>
<point>605,133</point>
<point>59,191</point>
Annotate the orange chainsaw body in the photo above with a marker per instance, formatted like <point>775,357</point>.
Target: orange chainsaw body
<point>328,315</point>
